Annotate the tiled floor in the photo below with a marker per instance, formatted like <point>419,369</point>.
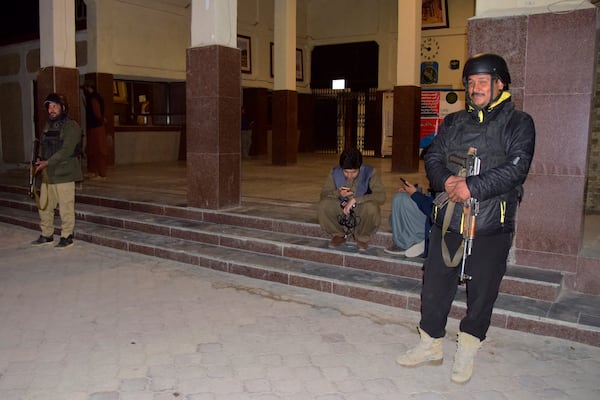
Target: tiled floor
<point>96,323</point>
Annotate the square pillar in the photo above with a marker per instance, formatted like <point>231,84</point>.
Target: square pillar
<point>285,127</point>
<point>213,106</point>
<point>551,58</point>
<point>407,127</point>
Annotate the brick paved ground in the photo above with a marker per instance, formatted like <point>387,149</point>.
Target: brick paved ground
<point>92,323</point>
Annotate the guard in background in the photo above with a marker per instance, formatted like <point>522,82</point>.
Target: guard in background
<point>59,162</point>
<point>246,134</point>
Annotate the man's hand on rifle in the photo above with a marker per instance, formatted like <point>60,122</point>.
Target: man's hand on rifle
<point>40,165</point>
<point>457,189</point>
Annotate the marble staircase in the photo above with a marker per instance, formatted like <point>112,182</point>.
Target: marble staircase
<point>279,249</point>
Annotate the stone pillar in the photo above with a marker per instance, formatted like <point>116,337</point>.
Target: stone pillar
<point>57,58</point>
<point>551,58</point>
<point>407,124</point>
<point>213,127</point>
<point>407,93</point>
<point>285,127</point>
<point>213,104</point>
<point>284,140</point>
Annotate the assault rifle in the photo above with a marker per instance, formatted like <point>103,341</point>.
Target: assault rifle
<point>32,175</point>
<point>470,165</point>
<point>34,191</point>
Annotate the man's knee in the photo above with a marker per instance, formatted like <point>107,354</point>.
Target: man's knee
<point>328,210</point>
<point>369,214</point>
<point>399,199</point>
<point>369,209</point>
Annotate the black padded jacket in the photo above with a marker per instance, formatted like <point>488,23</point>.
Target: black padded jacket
<point>505,142</point>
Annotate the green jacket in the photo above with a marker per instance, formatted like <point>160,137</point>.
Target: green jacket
<point>64,165</point>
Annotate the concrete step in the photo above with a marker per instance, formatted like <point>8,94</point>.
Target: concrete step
<point>293,240</point>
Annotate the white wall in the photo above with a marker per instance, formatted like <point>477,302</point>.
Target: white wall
<point>149,38</point>
<point>143,38</point>
<point>25,80</point>
<point>256,20</point>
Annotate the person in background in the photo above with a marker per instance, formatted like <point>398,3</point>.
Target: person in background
<point>246,134</point>
<point>410,221</point>
<point>503,139</point>
<point>96,148</point>
<point>61,146</point>
<point>350,201</point>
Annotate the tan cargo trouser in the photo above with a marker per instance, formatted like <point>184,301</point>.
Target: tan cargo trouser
<point>61,195</point>
<point>368,216</point>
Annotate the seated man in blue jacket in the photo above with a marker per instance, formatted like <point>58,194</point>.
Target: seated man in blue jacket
<point>410,221</point>
<point>350,201</point>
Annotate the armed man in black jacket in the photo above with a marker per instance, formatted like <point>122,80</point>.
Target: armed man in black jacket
<point>502,140</point>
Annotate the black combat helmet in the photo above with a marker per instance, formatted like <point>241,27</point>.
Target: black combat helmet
<point>487,63</point>
<point>58,99</point>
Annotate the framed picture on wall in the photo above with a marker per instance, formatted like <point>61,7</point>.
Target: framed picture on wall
<point>299,64</point>
<point>119,92</point>
<point>271,58</point>
<point>434,14</point>
<point>243,43</point>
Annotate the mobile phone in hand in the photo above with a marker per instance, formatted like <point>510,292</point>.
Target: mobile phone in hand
<point>403,181</point>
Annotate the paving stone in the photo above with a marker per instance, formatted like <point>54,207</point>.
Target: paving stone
<point>123,326</point>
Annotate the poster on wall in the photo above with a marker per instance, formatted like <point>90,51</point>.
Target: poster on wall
<point>434,14</point>
<point>387,124</point>
<point>435,105</point>
<point>429,72</point>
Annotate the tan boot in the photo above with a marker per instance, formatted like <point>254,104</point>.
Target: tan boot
<point>427,352</point>
<point>463,360</point>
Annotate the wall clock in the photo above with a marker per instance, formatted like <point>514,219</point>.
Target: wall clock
<point>429,48</point>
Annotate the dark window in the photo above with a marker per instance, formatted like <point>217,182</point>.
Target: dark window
<point>358,63</point>
<point>20,21</point>
<point>149,103</point>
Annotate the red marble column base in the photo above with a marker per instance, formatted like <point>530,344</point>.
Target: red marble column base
<point>213,107</point>
<point>285,127</point>
<point>407,126</point>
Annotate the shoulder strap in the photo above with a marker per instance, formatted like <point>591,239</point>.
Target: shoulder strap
<point>454,260</point>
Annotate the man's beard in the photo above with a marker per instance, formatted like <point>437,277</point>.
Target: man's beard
<point>54,117</point>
